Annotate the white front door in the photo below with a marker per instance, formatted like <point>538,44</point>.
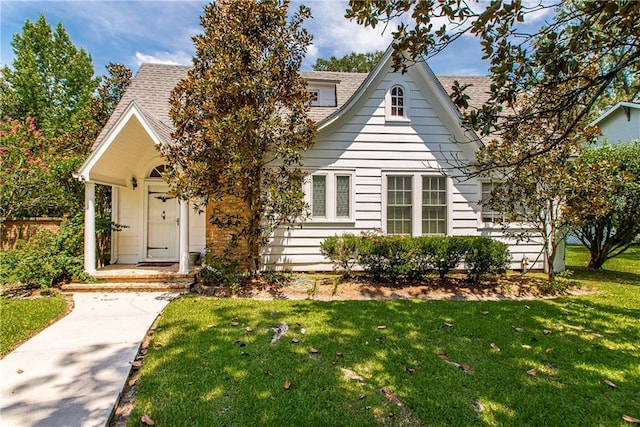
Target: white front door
<point>162,224</point>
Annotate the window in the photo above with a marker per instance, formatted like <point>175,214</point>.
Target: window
<point>489,215</point>
<point>399,197</point>
<point>416,204</point>
<point>322,94</point>
<point>397,104</point>
<point>434,205</point>
<point>343,192</point>
<point>319,192</point>
<point>314,97</point>
<point>158,171</point>
<point>397,101</point>
<point>331,196</point>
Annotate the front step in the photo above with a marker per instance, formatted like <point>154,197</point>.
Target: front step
<point>176,285</point>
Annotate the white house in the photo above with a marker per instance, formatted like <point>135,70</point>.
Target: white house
<point>385,158</point>
<point>620,123</point>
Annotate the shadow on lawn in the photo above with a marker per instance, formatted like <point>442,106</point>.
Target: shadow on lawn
<point>208,369</point>
<point>620,277</point>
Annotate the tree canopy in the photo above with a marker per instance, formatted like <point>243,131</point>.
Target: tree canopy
<point>351,63</point>
<point>603,207</point>
<point>583,51</point>
<point>241,119</point>
<point>53,109</point>
<point>50,79</point>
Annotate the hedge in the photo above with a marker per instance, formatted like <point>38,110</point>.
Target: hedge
<point>391,258</point>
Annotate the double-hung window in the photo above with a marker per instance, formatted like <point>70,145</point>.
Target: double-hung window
<point>488,214</point>
<point>434,205</point>
<point>416,204</point>
<point>331,196</point>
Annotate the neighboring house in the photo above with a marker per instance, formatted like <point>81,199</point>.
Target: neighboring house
<point>620,123</point>
<point>385,158</point>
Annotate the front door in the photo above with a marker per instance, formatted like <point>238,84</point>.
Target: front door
<point>162,224</point>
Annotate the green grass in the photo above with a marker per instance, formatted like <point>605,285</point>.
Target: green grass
<point>203,371</point>
<point>23,318</point>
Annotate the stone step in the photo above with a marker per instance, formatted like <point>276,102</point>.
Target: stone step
<point>126,286</point>
<point>147,277</point>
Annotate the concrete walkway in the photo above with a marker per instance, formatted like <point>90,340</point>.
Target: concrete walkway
<point>73,371</point>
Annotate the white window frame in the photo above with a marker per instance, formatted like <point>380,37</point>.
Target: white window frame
<point>331,194</point>
<point>416,199</point>
<point>406,107</point>
<point>445,205</point>
<point>482,224</point>
<point>484,210</point>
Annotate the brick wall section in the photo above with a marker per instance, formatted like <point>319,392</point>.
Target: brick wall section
<point>12,230</point>
<point>217,238</point>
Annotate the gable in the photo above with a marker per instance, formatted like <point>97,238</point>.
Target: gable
<point>620,123</point>
<point>432,119</point>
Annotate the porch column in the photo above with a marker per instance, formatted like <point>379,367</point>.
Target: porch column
<point>184,236</point>
<point>89,227</point>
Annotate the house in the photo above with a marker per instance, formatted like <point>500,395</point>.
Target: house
<point>620,123</point>
<point>386,158</point>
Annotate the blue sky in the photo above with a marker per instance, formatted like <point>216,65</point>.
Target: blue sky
<point>133,32</point>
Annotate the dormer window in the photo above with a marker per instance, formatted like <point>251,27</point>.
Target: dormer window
<point>322,93</point>
<point>397,101</point>
<point>314,96</point>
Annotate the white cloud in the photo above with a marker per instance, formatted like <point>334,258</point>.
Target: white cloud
<point>171,58</point>
<point>333,34</point>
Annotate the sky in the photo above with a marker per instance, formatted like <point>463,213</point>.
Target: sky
<point>135,32</point>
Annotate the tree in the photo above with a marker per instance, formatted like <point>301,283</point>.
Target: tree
<point>529,198</point>
<point>22,168</point>
<point>51,79</point>
<point>109,92</point>
<point>603,207</point>
<point>241,119</point>
<point>352,63</point>
<point>586,49</point>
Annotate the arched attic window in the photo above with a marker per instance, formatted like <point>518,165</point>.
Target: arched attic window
<point>397,104</point>
<point>158,171</point>
<point>397,101</point>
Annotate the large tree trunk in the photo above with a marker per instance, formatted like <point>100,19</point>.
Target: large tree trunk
<point>254,228</point>
<point>598,256</point>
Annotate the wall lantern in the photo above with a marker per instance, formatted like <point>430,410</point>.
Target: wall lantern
<point>134,182</point>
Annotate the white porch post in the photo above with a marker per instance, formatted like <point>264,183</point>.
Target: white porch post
<point>184,236</point>
<point>89,227</point>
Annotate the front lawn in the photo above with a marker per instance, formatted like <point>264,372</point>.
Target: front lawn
<point>23,318</point>
<point>400,362</point>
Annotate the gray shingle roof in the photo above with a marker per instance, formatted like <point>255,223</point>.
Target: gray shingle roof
<point>152,85</point>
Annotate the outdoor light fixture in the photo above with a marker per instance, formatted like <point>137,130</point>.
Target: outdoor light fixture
<point>134,182</point>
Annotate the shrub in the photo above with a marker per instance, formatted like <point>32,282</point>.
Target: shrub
<point>390,258</point>
<point>448,253</point>
<point>342,251</point>
<point>221,271</point>
<point>47,259</point>
<point>384,257</point>
<point>421,257</point>
<point>486,256</point>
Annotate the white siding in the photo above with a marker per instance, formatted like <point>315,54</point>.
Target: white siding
<point>617,127</point>
<point>364,142</point>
